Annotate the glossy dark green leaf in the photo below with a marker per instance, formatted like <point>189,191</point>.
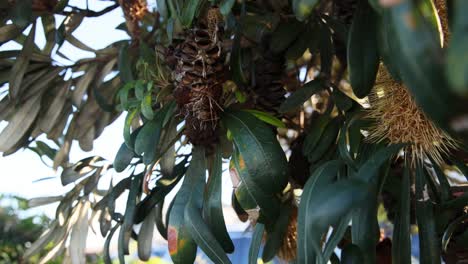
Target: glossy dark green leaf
<point>256,242</point>
<point>146,107</point>
<point>237,70</point>
<point>212,204</point>
<point>342,101</point>
<point>323,176</point>
<point>444,185</point>
<point>147,140</point>
<point>145,236</point>
<point>327,139</point>
<point>326,208</point>
<point>401,246</point>
<point>388,45</point>
<point>125,66</point>
<point>325,46</point>
<point>371,166</point>
<point>419,57</point>
<point>275,238</point>
<point>351,254</point>
<point>301,43</point>
<point>260,153</point>
<point>123,158</point>
<point>182,246</point>
<point>249,194</point>
<point>336,237</point>
<point>457,63</point>
<point>285,34</point>
<point>21,13</point>
<point>303,94</point>
<point>113,194</point>
<point>363,56</point>
<point>203,236</point>
<point>303,8</point>
<point>314,133</point>
<point>106,253</point>
<point>428,238</point>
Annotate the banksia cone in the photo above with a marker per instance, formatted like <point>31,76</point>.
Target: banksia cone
<point>268,90</point>
<point>399,120</point>
<point>199,75</point>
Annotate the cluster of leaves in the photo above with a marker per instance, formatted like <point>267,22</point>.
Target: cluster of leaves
<point>342,176</point>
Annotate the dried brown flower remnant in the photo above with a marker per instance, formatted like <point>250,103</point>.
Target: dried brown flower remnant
<point>399,120</point>
<point>288,250</point>
<point>134,11</point>
<point>199,75</point>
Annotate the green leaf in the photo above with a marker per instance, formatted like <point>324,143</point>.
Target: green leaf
<point>363,56</point>
<point>303,8</point>
<point>145,236</point>
<point>267,118</point>
<point>106,255</point>
<point>298,98</point>
<point>275,238</point>
<point>127,126</point>
<point>182,246</point>
<point>256,242</point>
<point>127,224</point>
<point>21,13</point>
<point>237,71</point>
<point>146,107</point>
<point>123,158</point>
<point>335,238</point>
<point>326,49</point>
<point>351,254</point>
<point>256,27</point>
<point>125,66</point>
<point>451,228</point>
<point>203,236</point>
<point>342,101</point>
<point>327,140</point>
<point>428,238</point>
<point>302,43</point>
<point>285,34</point>
<point>401,246</point>
<point>323,176</point>
<point>191,8</point>
<point>261,155</point>
<point>212,204</point>
<point>456,67</point>
<point>419,58</point>
<point>163,187</point>
<point>370,168</point>
<point>226,6</point>
<point>147,139</point>
<point>21,65</point>
<point>314,133</point>
<point>162,228</point>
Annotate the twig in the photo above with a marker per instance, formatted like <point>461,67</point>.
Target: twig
<point>88,12</point>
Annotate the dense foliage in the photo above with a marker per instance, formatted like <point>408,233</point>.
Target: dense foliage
<point>324,109</point>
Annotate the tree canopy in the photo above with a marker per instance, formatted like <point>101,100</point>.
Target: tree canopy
<point>325,109</point>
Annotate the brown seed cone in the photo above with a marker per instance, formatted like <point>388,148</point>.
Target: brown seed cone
<point>199,75</point>
<point>399,120</point>
<point>268,91</point>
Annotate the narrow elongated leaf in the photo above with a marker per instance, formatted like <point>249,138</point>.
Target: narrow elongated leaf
<point>370,168</point>
<point>315,132</point>
<point>123,158</point>
<point>256,242</point>
<point>212,204</point>
<point>401,246</point>
<point>202,235</point>
<point>106,255</point>
<point>190,9</point>
<point>322,176</point>
<point>21,65</point>
<point>428,239</point>
<point>260,154</point>
<point>182,246</point>
<point>79,234</point>
<point>82,85</point>
<point>267,118</point>
<point>275,238</point>
<point>226,6</point>
<point>34,202</point>
<point>21,12</point>
<point>457,63</point>
<point>8,32</point>
<point>145,237</point>
<point>127,126</point>
<point>335,238</point>
<point>125,67</point>
<point>19,124</point>
<point>162,228</point>
<point>147,140</point>
<point>298,98</point>
<point>327,139</point>
<point>363,57</point>
<point>126,228</point>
